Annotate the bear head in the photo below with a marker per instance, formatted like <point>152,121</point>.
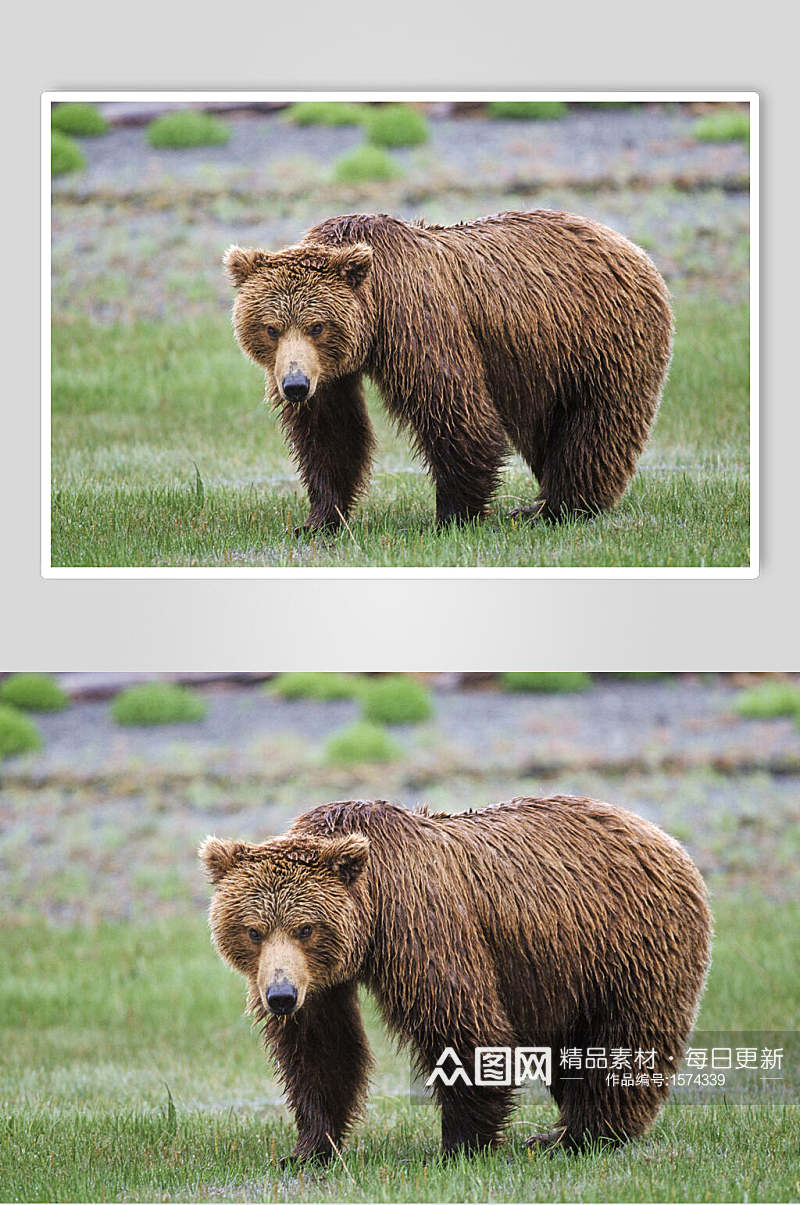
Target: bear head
<point>299,313</point>
<point>287,914</point>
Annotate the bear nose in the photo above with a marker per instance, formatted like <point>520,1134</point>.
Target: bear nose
<point>295,386</point>
<point>281,998</point>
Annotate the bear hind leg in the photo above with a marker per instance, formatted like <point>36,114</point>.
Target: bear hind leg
<point>588,461</point>
<point>593,1112</point>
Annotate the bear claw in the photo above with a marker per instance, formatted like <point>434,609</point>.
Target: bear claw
<point>548,1144</point>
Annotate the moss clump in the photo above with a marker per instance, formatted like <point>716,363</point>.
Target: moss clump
<point>396,125</point>
<point>326,113</point>
<point>730,125</point>
<point>316,686</point>
<point>78,118</point>
<point>186,128</point>
<point>547,683</point>
<point>18,734</point>
<point>527,110</point>
<point>767,701</point>
<point>396,699</point>
<point>158,703</point>
<point>362,742</point>
<point>364,164</point>
<point>33,692</point>
<point>65,155</point>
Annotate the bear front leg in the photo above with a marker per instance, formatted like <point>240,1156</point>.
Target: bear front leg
<point>331,441</point>
<point>464,445</point>
<point>472,1118</point>
<point>323,1058</point>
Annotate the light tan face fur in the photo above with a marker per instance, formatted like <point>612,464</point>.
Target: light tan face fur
<point>282,960</point>
<point>295,352</point>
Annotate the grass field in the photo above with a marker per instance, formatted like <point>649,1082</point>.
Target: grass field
<point>163,454</point>
<point>129,1073</point>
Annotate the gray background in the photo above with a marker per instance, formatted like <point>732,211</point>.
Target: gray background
<point>402,624</point>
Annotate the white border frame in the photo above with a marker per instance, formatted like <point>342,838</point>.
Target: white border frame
<point>48,571</point>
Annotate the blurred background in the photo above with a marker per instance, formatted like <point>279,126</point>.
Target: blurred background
<point>121,780</point>
<point>162,452</point>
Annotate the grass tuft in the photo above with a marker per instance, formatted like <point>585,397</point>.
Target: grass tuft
<point>33,692</point>
<point>361,743</point>
<point>326,113</point>
<point>65,154</point>
<point>396,699</point>
<point>730,125</point>
<point>78,118</point>
<point>18,734</point>
<point>768,701</point>
<point>187,128</point>
<point>158,703</point>
<point>365,164</point>
<point>527,110</point>
<point>547,683</point>
<point>320,686</point>
<point>396,125</point>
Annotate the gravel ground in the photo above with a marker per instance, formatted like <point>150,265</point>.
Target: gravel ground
<point>654,141</point>
<point>677,721</point>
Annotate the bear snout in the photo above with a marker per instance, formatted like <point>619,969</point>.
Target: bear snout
<point>295,386</point>
<point>282,998</point>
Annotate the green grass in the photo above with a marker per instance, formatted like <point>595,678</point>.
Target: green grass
<point>361,744</point>
<point>768,700</point>
<point>366,163</point>
<point>33,692</point>
<point>164,454</point>
<point>538,683</point>
<point>729,125</point>
<point>318,686</point>
<point>396,125</point>
<point>18,734</point>
<point>158,703</point>
<point>326,113</point>
<point>78,118</point>
<point>127,1071</point>
<point>185,128</point>
<point>65,154</point>
<point>396,699</point>
<point>527,110</point>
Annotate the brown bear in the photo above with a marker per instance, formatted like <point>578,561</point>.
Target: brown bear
<point>542,331</point>
<point>560,923</point>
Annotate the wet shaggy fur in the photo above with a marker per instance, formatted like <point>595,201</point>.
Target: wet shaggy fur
<point>540,922</point>
<point>543,332</point>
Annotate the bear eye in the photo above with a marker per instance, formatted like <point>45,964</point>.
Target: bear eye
<point>305,932</point>
<point>316,329</point>
<point>254,936</point>
<point>273,332</point>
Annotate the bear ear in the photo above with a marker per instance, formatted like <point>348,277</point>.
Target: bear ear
<point>353,263</point>
<point>219,857</point>
<point>240,263</point>
<point>347,856</point>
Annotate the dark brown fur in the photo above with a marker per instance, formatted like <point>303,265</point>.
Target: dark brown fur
<point>540,331</point>
<point>541,922</point>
